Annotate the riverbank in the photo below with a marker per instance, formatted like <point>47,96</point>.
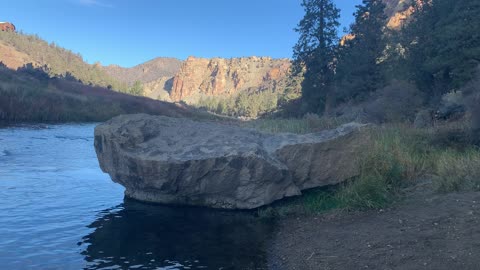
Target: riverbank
<point>388,217</point>
<point>34,97</point>
<point>425,231</point>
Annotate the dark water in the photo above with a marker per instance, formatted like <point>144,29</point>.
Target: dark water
<point>59,211</point>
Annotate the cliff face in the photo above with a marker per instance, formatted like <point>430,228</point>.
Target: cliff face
<point>220,77</point>
<point>146,72</point>
<point>6,26</point>
<point>399,12</point>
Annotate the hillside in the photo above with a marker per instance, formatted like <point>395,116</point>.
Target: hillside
<point>226,77</point>
<point>146,72</point>
<point>233,82</point>
<point>30,95</point>
<point>17,49</point>
<point>248,86</point>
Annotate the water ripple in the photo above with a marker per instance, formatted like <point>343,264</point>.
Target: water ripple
<point>59,211</point>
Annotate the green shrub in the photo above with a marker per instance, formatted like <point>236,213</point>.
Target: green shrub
<point>136,89</point>
<point>308,124</point>
<point>245,104</point>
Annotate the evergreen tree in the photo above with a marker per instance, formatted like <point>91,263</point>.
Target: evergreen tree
<point>314,52</point>
<point>359,70</point>
<point>443,45</point>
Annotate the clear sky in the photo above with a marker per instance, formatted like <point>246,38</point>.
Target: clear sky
<point>129,32</point>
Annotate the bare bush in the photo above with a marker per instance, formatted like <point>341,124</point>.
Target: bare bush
<point>452,106</point>
<point>471,93</point>
<point>458,172</point>
<point>397,102</point>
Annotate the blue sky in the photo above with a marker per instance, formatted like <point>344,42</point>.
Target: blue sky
<point>128,32</point>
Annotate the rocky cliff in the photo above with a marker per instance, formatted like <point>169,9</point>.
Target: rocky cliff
<point>220,77</point>
<point>399,12</point>
<point>6,26</point>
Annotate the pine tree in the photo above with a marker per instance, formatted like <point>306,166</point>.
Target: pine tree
<point>359,70</point>
<point>443,45</point>
<point>314,52</point>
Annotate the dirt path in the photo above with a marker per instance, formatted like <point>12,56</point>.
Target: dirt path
<point>423,232</point>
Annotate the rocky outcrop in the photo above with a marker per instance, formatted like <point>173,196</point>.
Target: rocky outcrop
<point>400,12</point>
<point>6,26</point>
<point>224,77</point>
<point>180,161</point>
<point>159,89</point>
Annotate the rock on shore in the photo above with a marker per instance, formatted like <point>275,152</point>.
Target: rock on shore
<point>181,161</point>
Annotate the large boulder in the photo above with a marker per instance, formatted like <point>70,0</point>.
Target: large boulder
<point>180,161</point>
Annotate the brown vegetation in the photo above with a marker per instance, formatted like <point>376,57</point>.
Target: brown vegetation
<point>17,49</point>
<point>30,95</point>
<point>146,72</point>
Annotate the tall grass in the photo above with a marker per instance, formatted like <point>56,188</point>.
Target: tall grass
<point>309,123</point>
<point>399,157</point>
<point>458,171</point>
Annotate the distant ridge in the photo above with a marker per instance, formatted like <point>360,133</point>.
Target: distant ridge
<point>146,72</point>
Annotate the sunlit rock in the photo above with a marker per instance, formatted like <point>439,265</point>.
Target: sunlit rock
<point>180,161</point>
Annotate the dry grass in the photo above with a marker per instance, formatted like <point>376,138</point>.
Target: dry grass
<point>458,171</point>
<point>26,98</point>
<point>399,157</point>
<point>309,123</point>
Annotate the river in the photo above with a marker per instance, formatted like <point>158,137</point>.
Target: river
<point>58,210</point>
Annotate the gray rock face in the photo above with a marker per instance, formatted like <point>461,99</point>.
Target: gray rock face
<point>424,119</point>
<point>180,161</point>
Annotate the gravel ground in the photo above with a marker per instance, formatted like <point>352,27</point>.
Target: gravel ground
<point>425,231</point>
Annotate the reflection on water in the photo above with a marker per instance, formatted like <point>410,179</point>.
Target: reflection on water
<point>136,235</point>
<point>52,200</point>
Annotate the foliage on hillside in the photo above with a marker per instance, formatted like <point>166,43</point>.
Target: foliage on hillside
<point>58,61</point>
<point>31,95</point>
<point>247,104</point>
<point>442,45</point>
<point>427,74</point>
<point>389,76</point>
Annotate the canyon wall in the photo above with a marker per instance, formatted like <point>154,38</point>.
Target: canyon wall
<point>225,77</point>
